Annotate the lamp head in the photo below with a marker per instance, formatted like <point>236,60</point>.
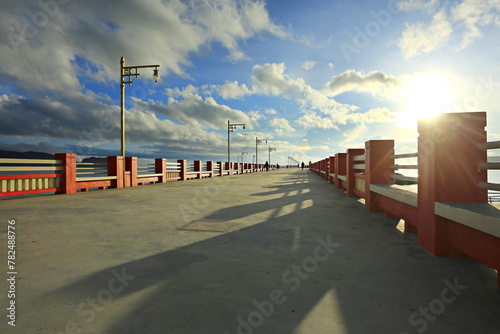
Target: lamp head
<point>156,74</point>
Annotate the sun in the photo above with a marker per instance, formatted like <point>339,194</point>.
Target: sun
<point>427,95</point>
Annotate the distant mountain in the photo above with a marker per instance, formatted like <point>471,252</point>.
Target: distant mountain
<point>95,160</point>
<point>25,155</point>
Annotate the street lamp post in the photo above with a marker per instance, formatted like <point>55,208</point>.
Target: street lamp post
<point>126,74</point>
<point>270,150</point>
<point>242,154</point>
<point>231,128</point>
<point>257,142</point>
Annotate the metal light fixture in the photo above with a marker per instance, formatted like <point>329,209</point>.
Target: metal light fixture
<point>231,128</point>
<point>156,74</point>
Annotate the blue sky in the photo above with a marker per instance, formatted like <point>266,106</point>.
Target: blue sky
<point>312,77</point>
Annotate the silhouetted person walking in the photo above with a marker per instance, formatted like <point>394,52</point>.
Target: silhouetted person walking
<point>267,166</point>
<point>302,165</point>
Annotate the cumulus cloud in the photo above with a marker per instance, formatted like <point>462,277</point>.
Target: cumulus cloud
<point>233,90</point>
<point>89,123</point>
<point>332,121</point>
<point>377,83</point>
<point>308,64</point>
<point>195,111</point>
<point>75,38</point>
<point>474,14</point>
<point>421,38</point>
<point>282,126</point>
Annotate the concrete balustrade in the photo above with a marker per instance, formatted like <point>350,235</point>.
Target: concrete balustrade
<point>65,176</point>
<point>448,208</point>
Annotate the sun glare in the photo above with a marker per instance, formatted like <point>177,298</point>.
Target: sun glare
<point>427,95</point>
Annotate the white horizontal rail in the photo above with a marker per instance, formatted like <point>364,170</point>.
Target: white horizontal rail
<point>92,168</point>
<point>404,178</point>
<point>406,155</point>
<point>488,165</point>
<point>30,161</point>
<point>91,164</point>
<point>359,166</point>
<point>359,158</point>
<point>91,173</point>
<point>488,186</point>
<point>488,145</point>
<point>31,169</point>
<point>150,175</point>
<point>95,178</point>
<point>404,166</point>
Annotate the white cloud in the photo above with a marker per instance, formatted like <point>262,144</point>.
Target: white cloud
<point>474,14</point>
<point>312,120</point>
<point>331,66</point>
<point>409,5</point>
<point>308,64</point>
<point>270,111</point>
<point>282,126</point>
<point>90,123</point>
<point>233,90</point>
<point>377,83</point>
<point>421,38</point>
<point>161,32</point>
<point>194,111</point>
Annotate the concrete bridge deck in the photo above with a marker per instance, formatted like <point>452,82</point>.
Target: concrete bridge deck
<point>278,252</point>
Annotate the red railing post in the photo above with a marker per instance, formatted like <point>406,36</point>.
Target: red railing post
<point>67,183</point>
<point>210,168</point>
<point>115,168</point>
<point>131,171</point>
<point>340,168</point>
<point>331,170</point>
<point>351,183</point>
<point>183,172</point>
<point>221,170</point>
<point>447,171</point>
<point>198,168</point>
<point>378,163</point>
<point>327,169</point>
<point>161,168</point>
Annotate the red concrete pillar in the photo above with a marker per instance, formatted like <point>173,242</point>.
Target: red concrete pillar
<point>131,167</point>
<point>198,168</point>
<point>351,153</point>
<point>331,170</point>
<point>210,168</point>
<point>340,168</point>
<point>67,183</point>
<point>221,170</point>
<point>183,172</point>
<point>236,167</point>
<point>327,169</point>
<point>378,163</point>
<point>115,168</point>
<point>447,171</point>
<point>161,168</point>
